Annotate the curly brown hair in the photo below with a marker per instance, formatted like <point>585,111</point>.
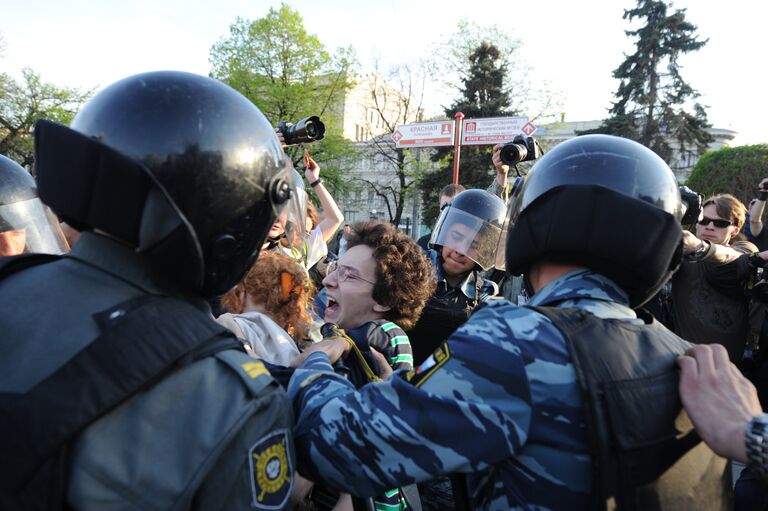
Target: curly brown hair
<point>282,287</point>
<point>404,276</point>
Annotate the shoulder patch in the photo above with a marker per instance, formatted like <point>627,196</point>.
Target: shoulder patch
<point>439,357</point>
<point>255,369</point>
<point>271,471</point>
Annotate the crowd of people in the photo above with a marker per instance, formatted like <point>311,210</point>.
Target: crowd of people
<point>214,340</point>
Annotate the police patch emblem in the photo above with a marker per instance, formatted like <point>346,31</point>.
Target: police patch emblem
<point>271,471</point>
<point>439,357</point>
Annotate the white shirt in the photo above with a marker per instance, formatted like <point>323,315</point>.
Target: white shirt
<point>268,341</point>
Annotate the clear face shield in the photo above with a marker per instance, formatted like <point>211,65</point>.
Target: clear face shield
<point>467,234</point>
<point>30,227</point>
<point>292,220</point>
<point>295,227</point>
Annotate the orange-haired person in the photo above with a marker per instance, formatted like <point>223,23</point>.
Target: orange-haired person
<point>268,308</point>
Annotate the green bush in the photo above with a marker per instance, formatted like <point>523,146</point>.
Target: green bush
<point>734,170</point>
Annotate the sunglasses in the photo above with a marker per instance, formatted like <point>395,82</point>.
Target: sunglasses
<point>705,220</point>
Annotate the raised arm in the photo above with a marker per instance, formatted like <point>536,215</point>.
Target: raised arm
<point>332,215</point>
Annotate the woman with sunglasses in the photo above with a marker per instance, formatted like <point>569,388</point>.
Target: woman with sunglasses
<point>700,312</point>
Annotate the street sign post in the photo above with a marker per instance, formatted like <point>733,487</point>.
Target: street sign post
<point>461,132</point>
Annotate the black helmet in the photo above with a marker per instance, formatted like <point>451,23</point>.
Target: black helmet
<point>603,202</point>
<point>26,225</point>
<point>178,165</point>
<point>471,224</point>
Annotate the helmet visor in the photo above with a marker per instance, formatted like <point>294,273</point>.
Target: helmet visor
<point>29,227</point>
<point>468,235</point>
<point>295,213</point>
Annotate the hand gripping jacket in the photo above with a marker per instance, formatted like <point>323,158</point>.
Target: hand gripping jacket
<point>645,454</point>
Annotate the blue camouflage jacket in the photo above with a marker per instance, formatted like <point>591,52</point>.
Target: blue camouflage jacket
<point>499,401</point>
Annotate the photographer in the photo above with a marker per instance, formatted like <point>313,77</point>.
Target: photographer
<point>520,149</point>
<point>756,215</point>
<point>701,313</point>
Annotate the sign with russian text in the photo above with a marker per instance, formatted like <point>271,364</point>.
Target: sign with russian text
<point>424,134</point>
<point>492,130</point>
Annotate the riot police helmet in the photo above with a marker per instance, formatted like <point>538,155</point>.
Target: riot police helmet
<point>472,225</point>
<point>26,224</point>
<point>603,202</point>
<point>180,166</point>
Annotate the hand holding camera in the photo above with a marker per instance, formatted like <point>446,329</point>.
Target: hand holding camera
<point>501,169</point>
<point>520,149</point>
<point>762,190</point>
<point>692,205</point>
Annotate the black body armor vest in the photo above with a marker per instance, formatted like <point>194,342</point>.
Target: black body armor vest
<point>645,453</point>
<point>142,341</point>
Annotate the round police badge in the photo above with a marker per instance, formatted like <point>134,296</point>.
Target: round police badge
<point>271,471</point>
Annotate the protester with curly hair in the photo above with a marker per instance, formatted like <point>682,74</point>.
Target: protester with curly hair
<point>375,290</point>
<point>268,308</point>
<point>378,289</point>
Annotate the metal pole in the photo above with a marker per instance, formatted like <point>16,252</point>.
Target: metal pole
<point>457,146</point>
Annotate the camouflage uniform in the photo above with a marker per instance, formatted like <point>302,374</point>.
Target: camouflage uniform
<point>499,401</point>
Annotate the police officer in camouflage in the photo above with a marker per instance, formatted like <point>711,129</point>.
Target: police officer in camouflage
<point>119,390</point>
<point>569,402</point>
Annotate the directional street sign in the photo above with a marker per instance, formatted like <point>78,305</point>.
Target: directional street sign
<point>424,134</point>
<point>492,130</point>
<point>529,129</point>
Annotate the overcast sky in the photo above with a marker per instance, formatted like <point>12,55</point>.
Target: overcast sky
<point>573,45</point>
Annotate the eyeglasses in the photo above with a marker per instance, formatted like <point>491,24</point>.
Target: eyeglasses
<point>344,272</point>
<point>718,222</point>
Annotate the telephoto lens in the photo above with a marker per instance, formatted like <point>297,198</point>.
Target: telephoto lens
<point>308,129</point>
<point>512,154</point>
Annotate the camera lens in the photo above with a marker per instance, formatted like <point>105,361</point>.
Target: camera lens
<point>512,154</point>
<point>311,130</point>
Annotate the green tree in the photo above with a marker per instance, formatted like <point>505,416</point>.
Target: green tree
<point>483,95</point>
<point>23,103</point>
<point>653,102</point>
<point>734,170</point>
<point>534,98</point>
<point>289,75</point>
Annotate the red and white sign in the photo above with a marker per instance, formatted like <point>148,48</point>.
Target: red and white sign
<point>529,129</point>
<point>492,130</point>
<point>424,134</point>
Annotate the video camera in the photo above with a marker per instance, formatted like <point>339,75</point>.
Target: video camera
<point>691,202</point>
<point>520,149</point>
<point>308,129</point>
